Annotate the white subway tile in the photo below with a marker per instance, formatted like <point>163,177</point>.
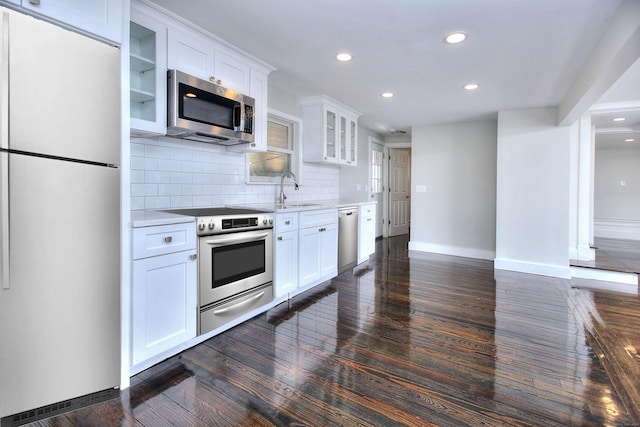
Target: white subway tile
<point>144,190</point>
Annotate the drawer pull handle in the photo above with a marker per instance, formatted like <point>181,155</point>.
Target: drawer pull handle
<point>368,219</point>
<point>193,257</point>
<point>287,222</point>
<point>168,239</point>
<point>279,237</point>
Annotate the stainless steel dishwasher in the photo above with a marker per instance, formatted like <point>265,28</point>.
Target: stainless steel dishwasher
<point>347,238</point>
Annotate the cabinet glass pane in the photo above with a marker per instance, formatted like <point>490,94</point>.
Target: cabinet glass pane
<point>343,138</point>
<point>331,134</point>
<point>353,142</point>
<point>142,72</point>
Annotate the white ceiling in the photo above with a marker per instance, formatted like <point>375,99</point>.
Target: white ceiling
<point>523,53</point>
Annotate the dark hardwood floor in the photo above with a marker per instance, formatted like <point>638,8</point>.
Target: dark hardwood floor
<point>413,340</point>
<point>621,255</point>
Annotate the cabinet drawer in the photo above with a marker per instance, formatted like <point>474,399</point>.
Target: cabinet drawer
<point>163,239</point>
<point>286,222</point>
<point>319,217</point>
<point>367,211</point>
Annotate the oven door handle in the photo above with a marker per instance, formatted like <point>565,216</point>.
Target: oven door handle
<point>222,241</point>
<point>238,305</point>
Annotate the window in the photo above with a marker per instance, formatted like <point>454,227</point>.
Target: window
<point>282,140</point>
<point>376,171</point>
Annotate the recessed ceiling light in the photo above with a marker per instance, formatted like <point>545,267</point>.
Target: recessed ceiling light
<point>619,119</point>
<point>629,140</point>
<point>471,86</point>
<point>455,38</point>
<point>343,57</point>
<point>387,95</point>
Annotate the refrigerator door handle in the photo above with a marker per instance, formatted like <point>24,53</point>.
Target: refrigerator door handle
<point>4,81</point>
<point>4,156</point>
<point>4,215</point>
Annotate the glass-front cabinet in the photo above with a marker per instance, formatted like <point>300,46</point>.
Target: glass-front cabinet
<point>331,132</point>
<point>147,65</point>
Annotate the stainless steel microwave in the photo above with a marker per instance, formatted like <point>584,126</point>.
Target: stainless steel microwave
<point>203,111</point>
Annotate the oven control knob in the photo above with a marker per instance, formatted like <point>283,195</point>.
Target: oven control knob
<point>211,225</point>
<point>201,226</point>
<point>264,221</point>
<point>271,221</point>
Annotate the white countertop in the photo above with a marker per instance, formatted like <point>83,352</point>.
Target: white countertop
<point>150,218</point>
<point>305,206</point>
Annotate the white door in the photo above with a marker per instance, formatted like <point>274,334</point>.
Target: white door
<point>399,191</point>
<point>376,171</point>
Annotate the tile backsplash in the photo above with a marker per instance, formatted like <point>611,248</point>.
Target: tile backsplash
<point>175,173</point>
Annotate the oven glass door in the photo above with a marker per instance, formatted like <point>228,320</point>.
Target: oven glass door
<point>233,263</point>
<point>206,107</point>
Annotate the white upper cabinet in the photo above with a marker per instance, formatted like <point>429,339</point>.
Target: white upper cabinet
<point>148,75</point>
<point>331,131</point>
<point>102,18</point>
<point>191,54</point>
<point>203,59</point>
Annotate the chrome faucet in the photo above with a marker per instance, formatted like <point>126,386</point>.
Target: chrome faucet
<point>295,181</point>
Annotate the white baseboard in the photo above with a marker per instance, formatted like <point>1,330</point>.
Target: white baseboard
<point>605,276</point>
<point>532,268</point>
<point>452,250</point>
<point>617,229</point>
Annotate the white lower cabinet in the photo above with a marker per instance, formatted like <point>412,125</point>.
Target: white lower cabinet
<point>305,250</point>
<point>164,290</point>
<point>286,263</point>
<point>285,257</point>
<point>366,232</point>
<point>318,247</point>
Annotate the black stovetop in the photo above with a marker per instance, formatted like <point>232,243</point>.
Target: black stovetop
<point>217,211</point>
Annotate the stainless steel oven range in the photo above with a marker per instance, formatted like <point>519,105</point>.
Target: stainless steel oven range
<point>235,262</point>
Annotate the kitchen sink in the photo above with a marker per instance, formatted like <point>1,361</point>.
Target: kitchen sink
<point>299,205</point>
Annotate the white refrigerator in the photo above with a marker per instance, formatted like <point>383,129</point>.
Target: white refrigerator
<point>60,209</point>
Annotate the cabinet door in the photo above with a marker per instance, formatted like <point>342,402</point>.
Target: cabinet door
<point>331,126</point>
<point>343,130</point>
<point>352,145</point>
<point>309,260</point>
<point>286,263</point>
<point>190,55</point>
<point>328,250</point>
<point>148,79</point>
<point>164,303</point>
<point>232,72</point>
<point>366,233</point>
<point>100,17</point>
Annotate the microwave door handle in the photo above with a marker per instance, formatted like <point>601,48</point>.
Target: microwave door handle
<point>222,241</point>
<point>237,117</point>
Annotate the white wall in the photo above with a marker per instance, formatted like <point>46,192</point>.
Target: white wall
<point>613,200</point>
<point>617,206</point>
<point>354,181</point>
<point>456,164</point>
<point>533,181</point>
